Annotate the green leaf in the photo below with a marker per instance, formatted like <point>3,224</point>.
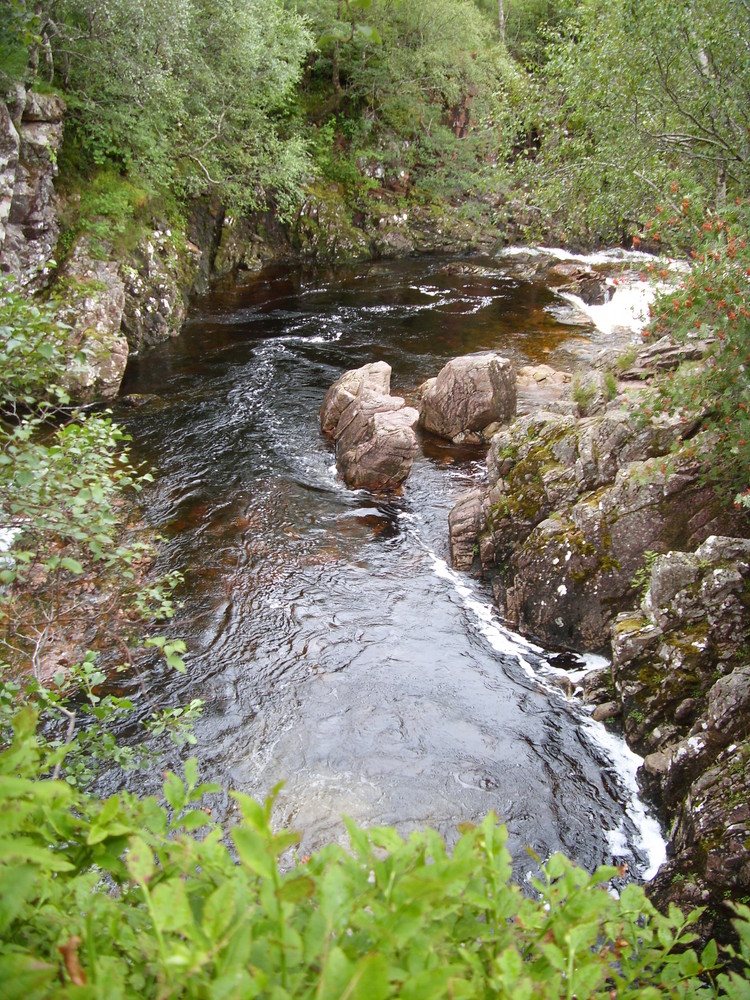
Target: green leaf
<point>369,34</point>
<point>174,792</point>
<point>22,849</point>
<point>16,885</point>
<point>295,889</point>
<point>72,565</point>
<point>709,955</point>
<point>252,851</point>
<point>194,820</point>
<point>139,860</point>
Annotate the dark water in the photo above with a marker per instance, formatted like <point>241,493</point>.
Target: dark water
<point>330,643</point>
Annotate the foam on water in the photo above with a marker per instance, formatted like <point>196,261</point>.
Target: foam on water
<point>615,254</point>
<point>648,840</point>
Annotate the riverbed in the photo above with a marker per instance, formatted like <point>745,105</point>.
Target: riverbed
<point>332,645</point>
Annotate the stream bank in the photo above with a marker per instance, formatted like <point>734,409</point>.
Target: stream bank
<point>599,529</point>
<point>613,509</point>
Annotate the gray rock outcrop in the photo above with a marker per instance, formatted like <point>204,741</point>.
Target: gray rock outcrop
<point>469,394</point>
<point>9,146</point>
<point>682,679</point>
<point>373,431</point>
<point>93,308</point>
<point>157,278</point>
<point>573,506</point>
<point>29,227</point>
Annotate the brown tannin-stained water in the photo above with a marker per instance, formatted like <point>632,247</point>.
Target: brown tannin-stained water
<point>331,644</point>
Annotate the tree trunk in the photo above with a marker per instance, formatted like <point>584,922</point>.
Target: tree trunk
<point>501,18</point>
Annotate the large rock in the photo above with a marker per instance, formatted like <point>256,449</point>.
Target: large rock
<point>373,431</point>
<point>93,308</point>
<point>32,228</point>
<point>589,285</point>
<point>682,679</point>
<point>668,658</point>
<point>464,524</point>
<point>374,378</point>
<point>377,450</point>
<point>572,508</point>
<point>469,394</point>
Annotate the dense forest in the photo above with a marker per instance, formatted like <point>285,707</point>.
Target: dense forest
<point>583,123</point>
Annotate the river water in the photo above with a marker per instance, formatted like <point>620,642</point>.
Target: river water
<point>333,647</point>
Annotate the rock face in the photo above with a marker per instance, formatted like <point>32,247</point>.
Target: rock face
<point>373,431</point>
<point>28,166</point>
<point>469,394</point>
<point>324,229</point>
<point>94,304</point>
<point>665,355</point>
<point>9,146</point>
<point>573,506</point>
<point>683,682</point>
<point>157,277</point>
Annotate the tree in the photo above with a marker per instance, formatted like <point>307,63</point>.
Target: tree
<point>635,91</point>
<point>190,95</point>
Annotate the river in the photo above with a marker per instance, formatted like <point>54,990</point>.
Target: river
<point>331,643</point>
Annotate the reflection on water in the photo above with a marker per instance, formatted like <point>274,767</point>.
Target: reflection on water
<point>331,649</point>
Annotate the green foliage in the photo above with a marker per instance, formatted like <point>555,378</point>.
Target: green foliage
<point>113,210</point>
<point>125,898</point>
<point>418,102</point>
<point>710,303</point>
<point>610,385</point>
<point>19,30</point>
<point>68,577</point>
<point>632,92</point>
<point>189,95</point>
<point>32,351</point>
<point>582,393</point>
<point>642,577</point>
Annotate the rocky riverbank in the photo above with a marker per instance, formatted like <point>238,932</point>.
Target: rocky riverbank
<point>599,530</point>
<point>590,500</point>
<point>122,297</point>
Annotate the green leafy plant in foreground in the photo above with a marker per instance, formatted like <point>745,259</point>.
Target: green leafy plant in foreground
<point>125,898</point>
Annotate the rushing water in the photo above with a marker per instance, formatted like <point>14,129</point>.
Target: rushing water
<point>333,647</point>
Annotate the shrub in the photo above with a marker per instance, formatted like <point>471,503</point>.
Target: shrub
<point>69,578</point>
<point>123,898</point>
<point>711,303</point>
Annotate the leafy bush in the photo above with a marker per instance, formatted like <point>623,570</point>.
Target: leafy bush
<point>711,303</point>
<point>190,95</point>
<point>632,92</point>
<point>123,898</point>
<point>429,81</point>
<point>69,578</point>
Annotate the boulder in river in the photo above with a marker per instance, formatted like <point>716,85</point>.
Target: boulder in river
<point>373,378</point>
<point>373,431</point>
<point>469,394</point>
